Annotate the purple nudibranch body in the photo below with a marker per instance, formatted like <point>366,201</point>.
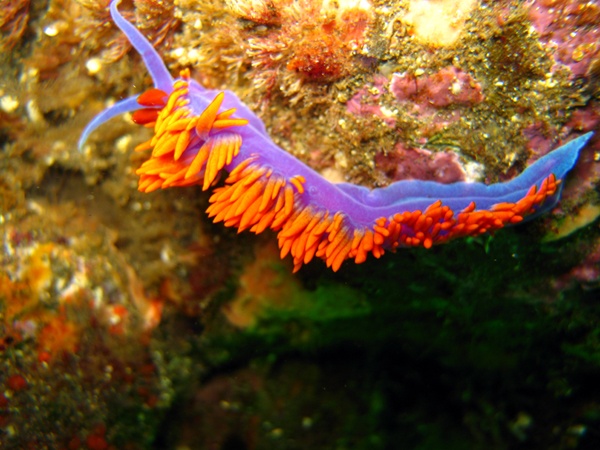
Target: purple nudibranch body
<point>196,138</point>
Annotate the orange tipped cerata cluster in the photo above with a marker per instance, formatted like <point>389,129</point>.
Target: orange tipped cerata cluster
<point>177,129</point>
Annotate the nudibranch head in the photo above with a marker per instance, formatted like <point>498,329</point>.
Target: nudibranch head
<point>198,134</point>
<point>189,146</point>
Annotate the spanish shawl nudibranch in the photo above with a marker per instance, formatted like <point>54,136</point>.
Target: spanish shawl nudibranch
<point>196,136</point>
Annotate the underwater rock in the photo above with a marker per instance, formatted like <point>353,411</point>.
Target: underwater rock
<point>74,336</point>
<point>485,342</point>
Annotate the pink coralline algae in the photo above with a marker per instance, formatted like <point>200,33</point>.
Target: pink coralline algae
<point>579,206</point>
<point>587,171</point>
<point>448,86</point>
<point>406,163</point>
<point>540,140</point>
<point>366,102</point>
<point>569,28</point>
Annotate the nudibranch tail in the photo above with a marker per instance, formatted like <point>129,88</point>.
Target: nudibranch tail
<point>197,136</point>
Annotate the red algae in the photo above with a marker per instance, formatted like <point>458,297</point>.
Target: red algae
<point>318,57</point>
<point>366,102</point>
<point>57,337</point>
<point>324,52</point>
<point>420,164</point>
<point>540,140</point>
<point>570,29</point>
<point>448,86</point>
<point>97,440</point>
<point>306,45</point>
<point>16,383</point>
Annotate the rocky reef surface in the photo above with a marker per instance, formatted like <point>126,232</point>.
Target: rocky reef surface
<point>130,321</point>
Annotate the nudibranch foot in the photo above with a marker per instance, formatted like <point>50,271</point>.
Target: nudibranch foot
<point>198,135</point>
